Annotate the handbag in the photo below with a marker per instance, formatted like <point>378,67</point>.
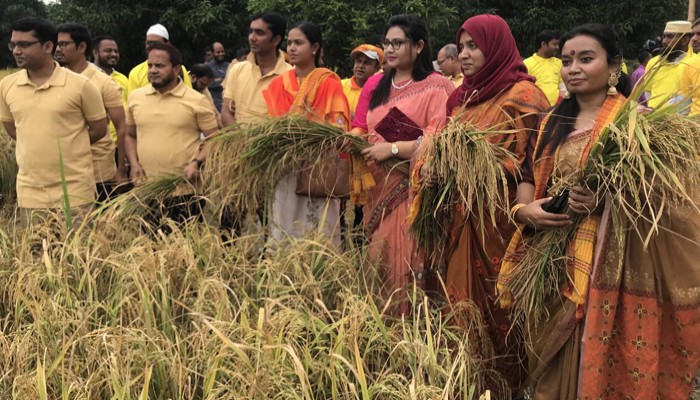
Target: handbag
<point>330,177</point>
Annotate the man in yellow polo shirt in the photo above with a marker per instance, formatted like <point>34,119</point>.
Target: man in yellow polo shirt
<point>245,81</point>
<point>164,122</point>
<point>663,73</point>
<point>73,45</point>
<point>368,61</point>
<point>53,114</point>
<point>105,53</point>
<point>138,77</point>
<point>449,64</point>
<point>545,66</point>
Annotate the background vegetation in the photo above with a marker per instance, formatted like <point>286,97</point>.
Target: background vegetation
<point>195,23</point>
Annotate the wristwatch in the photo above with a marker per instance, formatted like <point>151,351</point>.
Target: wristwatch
<point>394,149</point>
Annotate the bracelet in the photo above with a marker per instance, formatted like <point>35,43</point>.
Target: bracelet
<point>515,209</point>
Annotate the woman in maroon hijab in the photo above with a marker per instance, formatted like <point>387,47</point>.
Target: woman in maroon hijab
<point>497,91</point>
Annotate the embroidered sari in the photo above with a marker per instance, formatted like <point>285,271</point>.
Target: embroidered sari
<point>386,206</point>
<point>626,326</point>
<point>320,97</point>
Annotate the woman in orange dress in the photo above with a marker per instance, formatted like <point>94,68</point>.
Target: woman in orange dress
<point>317,93</point>
<point>496,93</point>
<point>396,110</point>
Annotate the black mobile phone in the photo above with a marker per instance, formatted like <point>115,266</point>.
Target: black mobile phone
<point>557,205</point>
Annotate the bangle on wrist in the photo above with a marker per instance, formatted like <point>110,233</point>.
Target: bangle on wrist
<point>514,210</point>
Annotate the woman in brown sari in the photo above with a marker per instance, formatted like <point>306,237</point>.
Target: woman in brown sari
<point>625,326</point>
<point>496,93</point>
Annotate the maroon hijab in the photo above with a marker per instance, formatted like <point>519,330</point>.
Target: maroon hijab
<point>503,66</point>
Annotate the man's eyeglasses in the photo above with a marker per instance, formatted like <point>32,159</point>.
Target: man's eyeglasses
<point>22,45</point>
<point>63,45</point>
<point>440,62</point>
<point>395,44</point>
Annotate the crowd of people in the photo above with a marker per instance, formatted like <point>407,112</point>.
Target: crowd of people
<point>625,331</point>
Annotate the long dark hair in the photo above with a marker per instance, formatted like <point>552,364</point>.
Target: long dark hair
<point>562,119</point>
<point>415,31</point>
<point>313,35</point>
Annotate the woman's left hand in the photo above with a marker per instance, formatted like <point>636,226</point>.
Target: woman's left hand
<point>378,152</point>
<point>583,201</point>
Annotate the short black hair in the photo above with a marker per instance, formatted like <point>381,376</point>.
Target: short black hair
<point>275,23</point>
<point>174,54</point>
<point>202,71</point>
<point>44,30</point>
<point>78,33</point>
<point>242,52</point>
<point>643,56</point>
<point>546,36</point>
<point>97,42</point>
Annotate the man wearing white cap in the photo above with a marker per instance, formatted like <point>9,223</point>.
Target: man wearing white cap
<point>138,77</point>
<point>664,82</point>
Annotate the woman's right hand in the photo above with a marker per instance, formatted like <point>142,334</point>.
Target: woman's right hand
<point>535,217</point>
<point>426,177</point>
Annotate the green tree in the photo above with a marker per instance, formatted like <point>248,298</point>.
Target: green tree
<point>12,10</point>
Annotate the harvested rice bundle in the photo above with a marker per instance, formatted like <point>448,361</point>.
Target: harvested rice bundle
<point>645,164</point>
<point>8,168</point>
<point>470,174</point>
<point>139,201</point>
<point>245,166</point>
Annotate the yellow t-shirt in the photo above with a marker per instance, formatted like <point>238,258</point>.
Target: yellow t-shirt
<point>123,83</point>
<point>690,84</point>
<point>547,72</point>
<point>664,85</point>
<point>244,86</point>
<point>46,116</point>
<point>168,127</point>
<point>457,80</point>
<point>138,77</point>
<point>352,92</point>
<point>103,150</point>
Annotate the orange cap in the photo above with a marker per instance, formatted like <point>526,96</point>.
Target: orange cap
<point>373,52</point>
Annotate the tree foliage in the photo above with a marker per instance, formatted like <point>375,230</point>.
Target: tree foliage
<point>193,24</point>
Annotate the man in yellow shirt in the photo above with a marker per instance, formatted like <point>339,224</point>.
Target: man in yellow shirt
<point>663,73</point>
<point>164,122</point>
<point>72,47</point>
<point>202,76</point>
<point>245,81</point>
<point>138,77</point>
<point>545,66</point>
<point>368,61</point>
<point>449,64</point>
<point>53,114</point>
<point>105,53</point>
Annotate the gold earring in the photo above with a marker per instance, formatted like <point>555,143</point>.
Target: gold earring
<point>613,80</point>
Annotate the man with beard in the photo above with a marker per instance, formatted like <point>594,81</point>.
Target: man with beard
<point>449,64</point>
<point>368,61</point>
<point>73,45</point>
<point>664,82</point>
<point>202,76</point>
<point>138,77</point>
<point>219,66</point>
<point>243,99</point>
<point>545,66</point>
<point>54,115</point>
<point>164,121</point>
<point>105,53</point>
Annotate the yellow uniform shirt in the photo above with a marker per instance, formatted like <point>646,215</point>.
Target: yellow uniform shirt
<point>690,84</point>
<point>352,92</point>
<point>103,150</point>
<point>46,116</point>
<point>123,83</point>
<point>457,80</point>
<point>168,127</point>
<point>664,85</point>
<point>244,86</point>
<point>547,72</point>
<point>138,77</point>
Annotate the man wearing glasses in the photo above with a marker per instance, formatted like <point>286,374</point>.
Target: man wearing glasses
<point>71,52</point>
<point>449,64</point>
<point>138,77</point>
<point>54,115</point>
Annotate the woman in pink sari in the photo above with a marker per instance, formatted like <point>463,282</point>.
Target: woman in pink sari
<point>395,111</point>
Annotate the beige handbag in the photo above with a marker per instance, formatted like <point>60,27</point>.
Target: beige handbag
<point>328,178</point>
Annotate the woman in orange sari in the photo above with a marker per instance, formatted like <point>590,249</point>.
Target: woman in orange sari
<point>396,110</point>
<point>317,93</point>
<point>496,93</point>
<point>625,323</point>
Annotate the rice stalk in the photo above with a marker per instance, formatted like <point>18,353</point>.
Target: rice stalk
<point>8,167</point>
<point>470,176</point>
<point>140,201</point>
